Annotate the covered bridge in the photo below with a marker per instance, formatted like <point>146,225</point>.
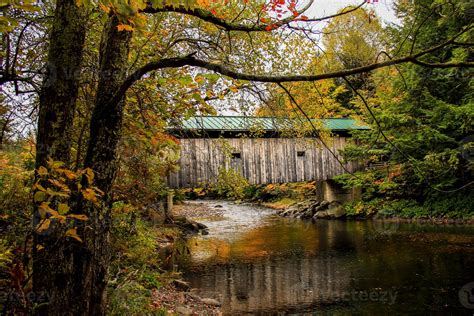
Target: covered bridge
<point>262,149</point>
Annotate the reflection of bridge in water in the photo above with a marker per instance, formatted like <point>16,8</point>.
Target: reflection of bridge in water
<point>275,284</point>
<point>286,265</point>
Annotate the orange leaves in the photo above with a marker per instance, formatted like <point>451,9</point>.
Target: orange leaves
<point>59,184</point>
<point>125,27</point>
<point>104,8</point>
<point>90,195</point>
<point>81,217</point>
<point>72,233</point>
<point>203,3</point>
<point>44,209</point>
<point>43,225</point>
<point>42,171</point>
<point>234,89</point>
<point>89,173</point>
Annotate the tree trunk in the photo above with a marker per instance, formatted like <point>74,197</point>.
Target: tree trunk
<point>53,272</point>
<point>60,86</point>
<point>105,133</point>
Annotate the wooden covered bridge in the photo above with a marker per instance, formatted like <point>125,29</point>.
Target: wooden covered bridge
<point>263,150</point>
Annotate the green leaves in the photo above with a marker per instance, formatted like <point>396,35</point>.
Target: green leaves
<point>8,23</point>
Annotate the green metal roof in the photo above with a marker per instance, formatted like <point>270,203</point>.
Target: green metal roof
<point>245,123</point>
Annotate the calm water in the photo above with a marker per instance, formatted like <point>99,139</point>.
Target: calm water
<point>257,263</point>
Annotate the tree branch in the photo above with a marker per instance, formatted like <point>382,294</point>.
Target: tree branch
<point>222,23</point>
<point>222,69</point>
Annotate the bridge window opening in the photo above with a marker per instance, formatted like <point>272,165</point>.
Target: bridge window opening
<point>236,156</point>
<point>300,153</point>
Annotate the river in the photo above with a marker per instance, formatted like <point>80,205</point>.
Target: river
<point>255,263</point>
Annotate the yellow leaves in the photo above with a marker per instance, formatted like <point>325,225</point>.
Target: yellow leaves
<point>63,208</point>
<point>39,187</point>
<point>68,173</point>
<point>44,208</point>
<point>40,196</point>
<point>55,164</point>
<point>43,225</point>
<point>90,195</point>
<point>52,193</point>
<point>234,89</point>
<point>42,171</point>
<point>81,217</point>
<point>209,93</point>
<point>104,8</point>
<point>125,27</point>
<point>59,185</point>
<point>200,80</point>
<point>72,233</point>
<point>203,3</point>
<point>89,174</point>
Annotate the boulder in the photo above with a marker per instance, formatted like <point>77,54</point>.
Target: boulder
<point>210,301</point>
<point>183,310</point>
<point>319,208</point>
<point>320,214</point>
<point>336,210</point>
<point>181,285</point>
<point>307,213</point>
<point>292,210</point>
<point>314,209</point>
<point>324,203</point>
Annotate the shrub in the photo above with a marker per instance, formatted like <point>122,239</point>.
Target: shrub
<point>230,184</point>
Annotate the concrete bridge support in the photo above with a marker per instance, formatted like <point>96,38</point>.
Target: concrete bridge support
<point>329,190</point>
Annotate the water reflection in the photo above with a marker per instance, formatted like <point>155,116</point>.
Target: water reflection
<point>283,265</point>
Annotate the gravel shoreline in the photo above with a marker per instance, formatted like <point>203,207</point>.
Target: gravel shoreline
<point>196,210</point>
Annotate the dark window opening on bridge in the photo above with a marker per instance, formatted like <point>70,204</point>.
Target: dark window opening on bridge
<point>236,156</point>
<point>300,153</point>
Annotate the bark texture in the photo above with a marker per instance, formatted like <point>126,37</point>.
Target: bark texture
<point>105,133</point>
<point>74,274</point>
<point>60,87</point>
<point>53,271</point>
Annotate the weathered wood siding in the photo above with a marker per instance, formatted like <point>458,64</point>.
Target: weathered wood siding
<point>262,160</point>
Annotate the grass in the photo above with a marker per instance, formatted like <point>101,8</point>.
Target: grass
<point>280,204</point>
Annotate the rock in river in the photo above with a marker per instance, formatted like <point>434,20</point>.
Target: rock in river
<point>315,209</point>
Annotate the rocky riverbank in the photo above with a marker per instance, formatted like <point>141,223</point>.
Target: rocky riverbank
<point>314,209</point>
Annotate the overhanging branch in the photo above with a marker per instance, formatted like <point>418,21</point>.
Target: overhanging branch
<point>219,22</point>
<point>222,69</point>
<point>236,26</point>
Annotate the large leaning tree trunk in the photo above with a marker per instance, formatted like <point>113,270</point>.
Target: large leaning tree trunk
<point>105,132</point>
<point>52,266</point>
